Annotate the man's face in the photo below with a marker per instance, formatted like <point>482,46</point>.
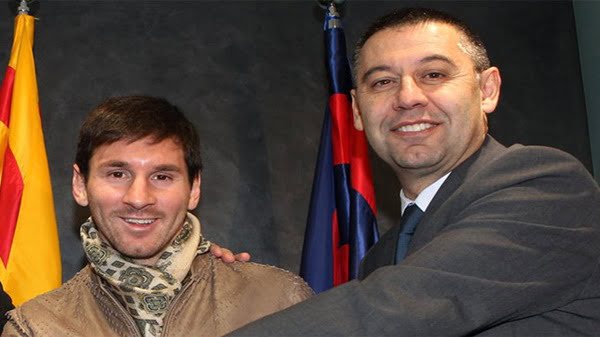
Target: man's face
<point>138,194</point>
<point>420,100</point>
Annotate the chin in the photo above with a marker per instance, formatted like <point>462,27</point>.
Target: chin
<point>137,254</point>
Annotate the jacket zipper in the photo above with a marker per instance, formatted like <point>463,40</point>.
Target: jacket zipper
<point>123,311</point>
<point>173,304</point>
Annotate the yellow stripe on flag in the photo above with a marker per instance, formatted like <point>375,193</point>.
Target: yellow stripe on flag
<point>33,265</point>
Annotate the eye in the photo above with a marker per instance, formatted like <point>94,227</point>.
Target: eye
<point>381,82</point>
<point>162,177</point>
<point>117,174</point>
<point>434,75</point>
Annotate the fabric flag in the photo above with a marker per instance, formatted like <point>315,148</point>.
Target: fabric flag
<point>29,249</point>
<point>341,223</point>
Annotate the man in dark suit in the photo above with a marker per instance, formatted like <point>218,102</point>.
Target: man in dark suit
<point>507,240</point>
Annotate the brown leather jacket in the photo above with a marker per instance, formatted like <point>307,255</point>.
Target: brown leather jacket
<point>217,299</point>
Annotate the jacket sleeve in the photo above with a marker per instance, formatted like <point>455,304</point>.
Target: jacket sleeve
<point>10,330</point>
<point>520,240</point>
<point>13,328</point>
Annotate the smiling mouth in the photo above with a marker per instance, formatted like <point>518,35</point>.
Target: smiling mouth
<point>414,127</point>
<point>138,221</point>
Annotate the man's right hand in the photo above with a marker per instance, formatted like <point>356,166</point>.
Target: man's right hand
<point>227,255</point>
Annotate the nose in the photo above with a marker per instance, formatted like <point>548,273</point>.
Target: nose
<point>410,95</point>
<point>139,194</point>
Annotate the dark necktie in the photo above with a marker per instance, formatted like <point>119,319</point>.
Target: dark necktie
<point>409,221</point>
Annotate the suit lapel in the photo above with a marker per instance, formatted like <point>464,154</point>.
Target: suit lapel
<point>435,218</point>
<point>383,253</point>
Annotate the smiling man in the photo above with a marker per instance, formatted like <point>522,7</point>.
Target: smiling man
<point>422,100</point>
<point>138,170</point>
<point>493,241</point>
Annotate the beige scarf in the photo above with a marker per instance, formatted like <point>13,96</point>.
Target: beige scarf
<point>145,291</point>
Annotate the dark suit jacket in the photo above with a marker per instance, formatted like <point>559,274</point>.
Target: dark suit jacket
<point>509,246</point>
<point>5,306</point>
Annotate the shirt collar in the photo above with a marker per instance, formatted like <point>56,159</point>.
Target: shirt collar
<point>424,198</point>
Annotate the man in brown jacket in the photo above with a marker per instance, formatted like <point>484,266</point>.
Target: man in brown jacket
<point>138,169</point>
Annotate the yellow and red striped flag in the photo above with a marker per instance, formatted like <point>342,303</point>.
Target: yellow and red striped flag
<point>29,250</point>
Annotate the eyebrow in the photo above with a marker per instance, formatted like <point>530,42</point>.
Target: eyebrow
<point>373,70</point>
<point>123,164</point>
<point>437,57</point>
<point>114,163</point>
<point>168,168</point>
<point>427,59</point>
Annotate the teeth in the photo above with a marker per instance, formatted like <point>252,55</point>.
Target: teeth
<point>415,127</point>
<point>140,221</point>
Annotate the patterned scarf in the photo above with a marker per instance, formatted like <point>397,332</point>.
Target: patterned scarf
<point>145,291</point>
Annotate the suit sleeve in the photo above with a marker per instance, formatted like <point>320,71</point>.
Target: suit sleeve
<point>521,239</point>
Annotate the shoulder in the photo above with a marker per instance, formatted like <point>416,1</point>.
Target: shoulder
<point>221,297</point>
<point>498,165</point>
<point>539,183</point>
<point>253,277</point>
<point>535,154</point>
<point>43,308</point>
<point>525,156</point>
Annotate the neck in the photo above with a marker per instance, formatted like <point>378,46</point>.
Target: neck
<point>149,262</point>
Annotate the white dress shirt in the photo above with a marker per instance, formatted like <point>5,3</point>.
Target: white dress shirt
<point>424,198</point>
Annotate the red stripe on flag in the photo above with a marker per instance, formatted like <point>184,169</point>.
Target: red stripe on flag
<point>341,254</point>
<point>6,95</point>
<point>11,191</point>
<point>341,128</point>
<point>360,170</point>
<point>11,182</point>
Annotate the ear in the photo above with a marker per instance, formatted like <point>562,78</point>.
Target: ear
<point>78,187</point>
<point>195,193</point>
<point>358,124</point>
<point>490,89</point>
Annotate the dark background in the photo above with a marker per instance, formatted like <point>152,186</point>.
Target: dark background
<point>250,75</point>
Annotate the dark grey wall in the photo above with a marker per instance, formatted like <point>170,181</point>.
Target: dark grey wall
<point>250,75</point>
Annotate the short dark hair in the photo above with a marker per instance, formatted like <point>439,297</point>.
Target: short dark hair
<point>132,118</point>
<point>413,16</point>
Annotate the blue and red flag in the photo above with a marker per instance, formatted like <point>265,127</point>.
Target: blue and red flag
<point>341,223</point>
